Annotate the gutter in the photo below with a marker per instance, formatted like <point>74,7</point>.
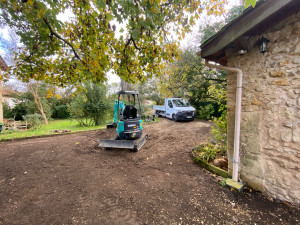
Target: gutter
<point>238,107</point>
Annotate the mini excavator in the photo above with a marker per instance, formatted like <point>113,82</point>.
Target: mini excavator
<point>128,123</point>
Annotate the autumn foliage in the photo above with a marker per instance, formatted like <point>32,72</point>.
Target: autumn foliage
<point>67,42</point>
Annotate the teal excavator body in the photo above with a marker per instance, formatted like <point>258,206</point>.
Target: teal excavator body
<point>128,123</point>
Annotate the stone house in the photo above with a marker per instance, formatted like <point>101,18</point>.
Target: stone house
<point>268,155</point>
<point>3,67</point>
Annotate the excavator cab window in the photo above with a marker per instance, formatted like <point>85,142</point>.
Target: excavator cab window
<point>131,108</point>
<point>130,112</point>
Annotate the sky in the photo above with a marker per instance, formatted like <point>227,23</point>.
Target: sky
<point>190,38</point>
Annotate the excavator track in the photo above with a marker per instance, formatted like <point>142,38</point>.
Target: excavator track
<point>134,145</point>
<point>139,143</point>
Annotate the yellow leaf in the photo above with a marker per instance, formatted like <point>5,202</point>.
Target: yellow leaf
<point>49,93</point>
<point>57,96</point>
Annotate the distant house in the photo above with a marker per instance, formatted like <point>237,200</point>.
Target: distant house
<point>3,67</point>
<point>8,96</point>
<point>269,143</point>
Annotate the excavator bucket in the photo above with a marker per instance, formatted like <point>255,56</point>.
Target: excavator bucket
<point>134,145</point>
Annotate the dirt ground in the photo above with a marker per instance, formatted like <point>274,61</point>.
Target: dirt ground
<point>67,179</point>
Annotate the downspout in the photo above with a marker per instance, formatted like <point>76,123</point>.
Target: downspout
<point>238,107</point>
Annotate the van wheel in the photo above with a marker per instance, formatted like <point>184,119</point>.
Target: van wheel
<point>158,113</point>
<point>174,118</point>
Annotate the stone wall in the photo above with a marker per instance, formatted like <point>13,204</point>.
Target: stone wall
<point>270,120</point>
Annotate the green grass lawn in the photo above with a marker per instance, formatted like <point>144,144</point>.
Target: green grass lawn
<point>71,125</point>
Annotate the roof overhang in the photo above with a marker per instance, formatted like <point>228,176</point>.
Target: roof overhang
<point>253,21</point>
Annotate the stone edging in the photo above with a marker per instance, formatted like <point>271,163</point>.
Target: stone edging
<point>209,167</point>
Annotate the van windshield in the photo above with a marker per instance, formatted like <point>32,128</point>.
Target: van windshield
<point>181,103</point>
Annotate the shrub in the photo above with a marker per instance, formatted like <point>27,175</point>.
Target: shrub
<point>60,112</point>
<point>206,112</point>
<point>217,145</point>
<point>223,182</point>
<point>76,110</point>
<point>34,120</point>
<point>7,111</point>
<point>206,151</point>
<point>219,132</point>
<point>91,105</point>
<point>19,111</point>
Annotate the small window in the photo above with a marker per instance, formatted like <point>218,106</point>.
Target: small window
<point>170,104</point>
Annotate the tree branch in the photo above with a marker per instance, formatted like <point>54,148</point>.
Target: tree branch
<point>61,38</point>
<point>214,79</point>
<point>135,45</point>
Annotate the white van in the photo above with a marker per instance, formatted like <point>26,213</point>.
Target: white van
<point>176,109</point>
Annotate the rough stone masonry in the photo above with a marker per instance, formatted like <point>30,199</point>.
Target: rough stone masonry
<point>270,120</point>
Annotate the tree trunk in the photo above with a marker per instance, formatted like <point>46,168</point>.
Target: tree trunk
<point>96,119</point>
<point>125,86</point>
<point>34,90</point>
<point>44,115</point>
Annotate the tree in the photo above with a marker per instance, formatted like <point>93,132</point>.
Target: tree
<point>7,111</point>
<point>86,46</point>
<point>180,75</point>
<point>19,111</point>
<point>1,107</point>
<point>33,88</point>
<point>9,45</point>
<point>125,86</point>
<point>208,30</point>
<point>59,103</point>
<point>3,66</point>
<point>233,13</point>
<point>90,105</point>
<point>250,2</point>
<point>38,98</point>
<point>113,88</point>
<point>149,90</point>
<point>188,77</point>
